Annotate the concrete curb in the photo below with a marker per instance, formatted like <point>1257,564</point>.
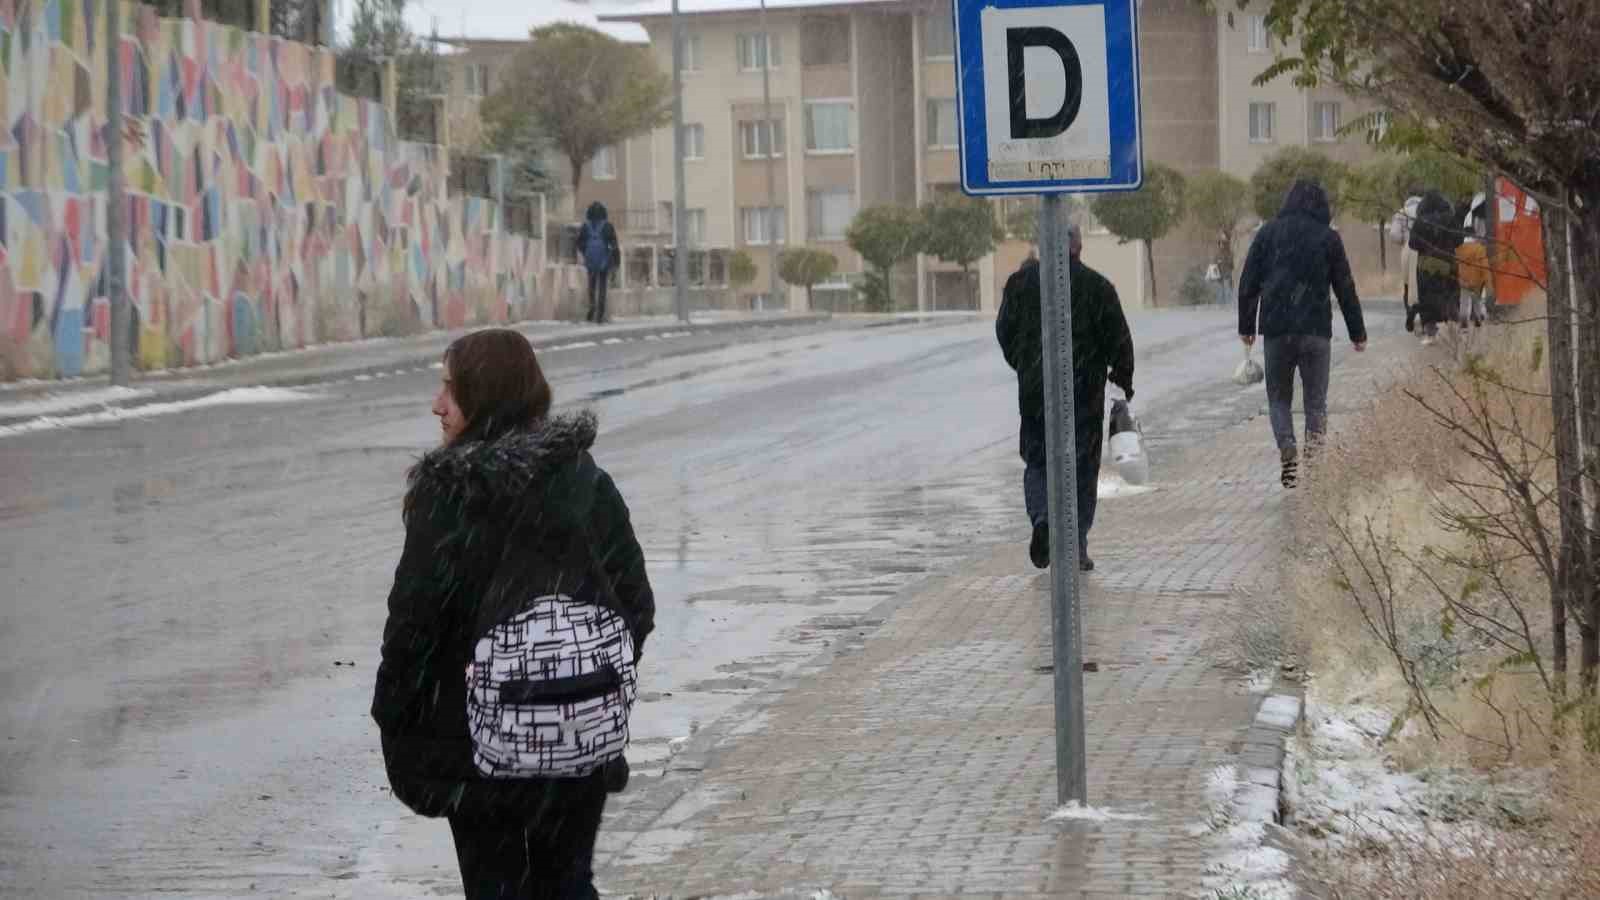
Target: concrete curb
<point>1259,797</point>
<point>193,384</point>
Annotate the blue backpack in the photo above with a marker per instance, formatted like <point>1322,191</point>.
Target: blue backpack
<point>596,255</point>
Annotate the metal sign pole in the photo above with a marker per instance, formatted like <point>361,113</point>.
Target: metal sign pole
<point>1056,313</point>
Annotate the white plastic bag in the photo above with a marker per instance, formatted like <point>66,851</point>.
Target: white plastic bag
<point>1127,445</point>
<point>1249,371</point>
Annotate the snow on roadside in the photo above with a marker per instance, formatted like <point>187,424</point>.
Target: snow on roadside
<point>1243,864</point>
<point>1345,786</point>
<point>234,397</point>
<point>51,404</point>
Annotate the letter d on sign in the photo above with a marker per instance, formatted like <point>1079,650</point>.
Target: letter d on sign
<point>1018,40</point>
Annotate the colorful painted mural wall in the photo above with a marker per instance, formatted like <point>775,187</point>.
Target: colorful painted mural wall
<point>265,210</point>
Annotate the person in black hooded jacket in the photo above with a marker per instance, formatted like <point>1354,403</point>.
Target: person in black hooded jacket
<point>1435,237</point>
<point>1102,349</point>
<point>1293,264</point>
<point>600,252</point>
<point>512,504</point>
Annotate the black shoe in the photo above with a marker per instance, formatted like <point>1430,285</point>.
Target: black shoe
<point>1291,468</point>
<point>1085,564</point>
<point>1039,547</point>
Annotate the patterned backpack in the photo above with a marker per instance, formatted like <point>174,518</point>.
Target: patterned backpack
<point>549,690</point>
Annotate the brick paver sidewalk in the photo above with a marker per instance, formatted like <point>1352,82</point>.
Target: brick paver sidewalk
<point>919,760</point>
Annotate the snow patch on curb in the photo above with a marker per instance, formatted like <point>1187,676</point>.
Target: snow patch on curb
<point>59,403</point>
<point>234,397</point>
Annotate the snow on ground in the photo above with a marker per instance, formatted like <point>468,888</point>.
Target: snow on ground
<point>234,397</point>
<point>51,404</point>
<point>1075,812</point>
<point>1345,786</point>
<point>1113,486</point>
<point>1243,864</point>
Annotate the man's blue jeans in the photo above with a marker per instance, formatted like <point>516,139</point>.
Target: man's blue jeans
<point>1310,356</point>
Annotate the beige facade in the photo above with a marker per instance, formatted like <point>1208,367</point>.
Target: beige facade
<point>862,106</point>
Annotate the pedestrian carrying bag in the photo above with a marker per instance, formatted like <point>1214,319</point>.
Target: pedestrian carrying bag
<point>1127,445</point>
<point>550,688</point>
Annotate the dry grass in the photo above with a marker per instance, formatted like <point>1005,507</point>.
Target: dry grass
<point>1394,599</point>
<point>1413,590</point>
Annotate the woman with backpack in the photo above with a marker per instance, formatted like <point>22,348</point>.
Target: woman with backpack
<point>518,614</point>
<point>597,244</point>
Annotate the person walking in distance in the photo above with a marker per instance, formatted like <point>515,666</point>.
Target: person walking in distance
<point>1102,346</point>
<point>519,611</point>
<point>1293,264</point>
<point>597,244</point>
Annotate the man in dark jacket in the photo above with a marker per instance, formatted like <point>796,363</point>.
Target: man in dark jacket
<point>1101,343</point>
<point>1295,260</point>
<point>598,248</point>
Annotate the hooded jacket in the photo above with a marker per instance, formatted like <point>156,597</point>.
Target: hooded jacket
<point>1294,261</point>
<point>1101,341</point>
<point>1436,236</point>
<point>524,514</point>
<point>596,220</point>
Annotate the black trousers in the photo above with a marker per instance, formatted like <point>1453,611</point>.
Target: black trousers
<point>548,856</point>
<point>1089,417</point>
<point>599,283</point>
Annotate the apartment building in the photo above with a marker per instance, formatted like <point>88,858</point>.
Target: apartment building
<point>862,112</point>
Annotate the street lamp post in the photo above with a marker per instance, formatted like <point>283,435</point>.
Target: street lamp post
<point>680,295</point>
<point>772,151</point>
<point>116,218</point>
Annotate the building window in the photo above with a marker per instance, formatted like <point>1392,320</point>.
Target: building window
<point>830,126</point>
<point>1380,125</point>
<point>938,36</point>
<point>1325,122</point>
<point>604,165</point>
<point>1260,38</point>
<point>692,53</point>
<point>757,51</point>
<point>477,79</point>
<point>762,224</point>
<point>761,139</point>
<point>694,141</point>
<point>694,225</point>
<point>830,212</point>
<point>943,131</point>
<point>1263,122</point>
<point>825,42</point>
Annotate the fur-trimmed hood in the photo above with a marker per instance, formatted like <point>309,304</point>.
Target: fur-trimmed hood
<point>484,472</point>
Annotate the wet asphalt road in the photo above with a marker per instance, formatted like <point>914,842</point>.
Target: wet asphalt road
<point>193,602</point>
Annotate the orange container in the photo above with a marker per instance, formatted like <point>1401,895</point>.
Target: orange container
<point>1519,266</point>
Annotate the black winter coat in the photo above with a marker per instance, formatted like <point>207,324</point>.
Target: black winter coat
<point>1435,236</point>
<point>1294,261</point>
<point>1101,341</point>
<point>525,514</point>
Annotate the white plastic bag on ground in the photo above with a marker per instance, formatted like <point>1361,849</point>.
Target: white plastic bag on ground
<point>1249,371</point>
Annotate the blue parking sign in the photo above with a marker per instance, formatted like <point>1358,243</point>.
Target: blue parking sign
<point>1049,96</point>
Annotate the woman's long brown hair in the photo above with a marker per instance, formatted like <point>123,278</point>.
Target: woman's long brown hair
<point>497,383</point>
